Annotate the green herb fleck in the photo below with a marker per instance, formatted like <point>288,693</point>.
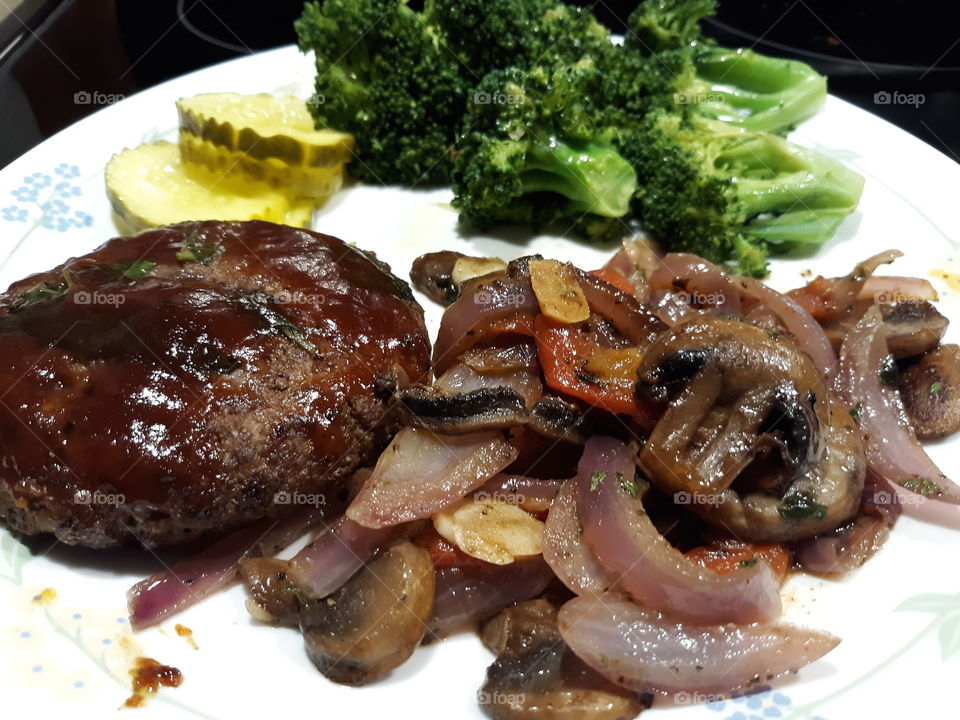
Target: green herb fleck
<point>855,412</point>
<point>190,250</point>
<point>133,270</point>
<point>801,506</point>
<point>628,485</point>
<point>923,486</point>
<point>936,387</point>
<point>257,303</point>
<point>40,293</point>
<point>749,562</point>
<point>596,479</point>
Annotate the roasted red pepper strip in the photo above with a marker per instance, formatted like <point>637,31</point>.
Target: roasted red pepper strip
<point>728,557</point>
<point>574,364</point>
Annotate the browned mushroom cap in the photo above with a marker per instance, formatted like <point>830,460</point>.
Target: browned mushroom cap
<point>750,440</point>
<point>271,590</point>
<point>536,676</point>
<point>931,393</point>
<point>373,623</point>
<point>912,328</point>
<point>432,274</point>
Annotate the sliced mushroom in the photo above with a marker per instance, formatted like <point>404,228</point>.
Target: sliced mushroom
<point>432,274</point>
<point>752,440</point>
<point>497,408</point>
<point>912,328</point>
<point>373,623</point>
<point>273,595</point>
<point>931,393</point>
<point>537,676</point>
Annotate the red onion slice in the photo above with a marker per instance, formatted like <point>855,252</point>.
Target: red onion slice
<point>893,451</point>
<point>619,532</point>
<point>699,282</point>
<point>644,651</point>
<point>481,304</point>
<point>471,593</point>
<point>805,329</point>
<point>175,589</point>
<point>335,556</point>
<point>565,551</point>
<point>532,494</point>
<point>885,289</point>
<point>421,472</point>
<point>462,378</point>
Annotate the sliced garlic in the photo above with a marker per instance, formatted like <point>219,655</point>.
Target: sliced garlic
<point>467,268</point>
<point>489,530</point>
<point>560,296</point>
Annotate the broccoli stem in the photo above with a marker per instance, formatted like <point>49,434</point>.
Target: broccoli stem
<point>745,88</point>
<point>594,178</point>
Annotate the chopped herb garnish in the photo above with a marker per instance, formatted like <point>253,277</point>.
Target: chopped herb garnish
<point>855,412</point>
<point>133,270</point>
<point>923,486</point>
<point>276,321</point>
<point>936,387</point>
<point>629,485</point>
<point>596,479</point>
<point>191,250</point>
<point>749,562</point>
<point>43,291</point>
<point>801,506</point>
<point>889,373</point>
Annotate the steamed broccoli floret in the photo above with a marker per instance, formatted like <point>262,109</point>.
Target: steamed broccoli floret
<point>731,194</point>
<point>384,75</point>
<point>745,88</point>
<point>740,86</point>
<point>491,35</point>
<point>535,151</point>
<point>657,25</point>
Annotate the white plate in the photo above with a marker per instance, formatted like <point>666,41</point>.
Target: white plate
<point>70,657</point>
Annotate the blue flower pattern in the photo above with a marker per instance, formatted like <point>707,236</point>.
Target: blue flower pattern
<point>759,703</point>
<point>51,195</point>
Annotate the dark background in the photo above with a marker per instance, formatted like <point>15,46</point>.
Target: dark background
<point>54,51</point>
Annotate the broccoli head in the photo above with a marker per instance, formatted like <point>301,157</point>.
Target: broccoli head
<point>658,25</point>
<point>535,151</point>
<point>724,192</point>
<point>384,75</point>
<point>492,35</point>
